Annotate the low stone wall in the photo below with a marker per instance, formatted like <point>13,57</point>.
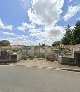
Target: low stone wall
<point>13,58</point>
<point>66,60</point>
<point>17,57</point>
<point>21,56</point>
<point>77,57</point>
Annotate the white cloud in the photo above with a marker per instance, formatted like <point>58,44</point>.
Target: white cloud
<point>9,27</point>
<point>72,27</point>
<point>2,26</point>
<point>8,34</point>
<point>24,36</point>
<point>20,40</point>
<point>25,26</point>
<point>45,12</point>
<point>57,31</point>
<point>48,36</point>
<point>72,10</point>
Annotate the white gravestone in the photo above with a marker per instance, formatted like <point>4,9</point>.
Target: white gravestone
<point>32,51</point>
<point>46,51</point>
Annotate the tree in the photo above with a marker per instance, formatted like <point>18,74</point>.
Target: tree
<point>56,43</point>
<point>4,43</point>
<point>76,32</point>
<point>71,37</point>
<point>68,39</point>
<point>43,45</point>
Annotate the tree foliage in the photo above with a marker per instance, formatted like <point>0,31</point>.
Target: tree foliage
<point>77,32</point>
<point>56,43</point>
<point>72,36</point>
<point>4,43</point>
<point>43,45</point>
<point>68,37</point>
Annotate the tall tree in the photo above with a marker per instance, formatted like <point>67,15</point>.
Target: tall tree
<point>67,39</point>
<point>72,37</point>
<point>76,32</point>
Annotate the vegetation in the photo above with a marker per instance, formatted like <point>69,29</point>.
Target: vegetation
<point>56,43</point>
<point>4,43</point>
<point>26,57</point>
<point>43,45</point>
<point>76,33</point>
<point>71,37</point>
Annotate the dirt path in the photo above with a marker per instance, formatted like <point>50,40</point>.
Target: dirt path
<point>38,63</point>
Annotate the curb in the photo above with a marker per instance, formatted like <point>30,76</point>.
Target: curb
<point>74,70</point>
<point>50,68</point>
<point>53,68</point>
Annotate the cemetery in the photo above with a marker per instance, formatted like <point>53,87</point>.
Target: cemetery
<point>68,55</point>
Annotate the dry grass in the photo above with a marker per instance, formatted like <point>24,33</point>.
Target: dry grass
<point>38,63</point>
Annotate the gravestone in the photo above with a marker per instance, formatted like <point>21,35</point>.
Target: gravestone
<point>32,51</point>
<point>46,51</point>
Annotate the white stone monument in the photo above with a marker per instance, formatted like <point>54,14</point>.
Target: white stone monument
<point>32,51</point>
<point>46,51</point>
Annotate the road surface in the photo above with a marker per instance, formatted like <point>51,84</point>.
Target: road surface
<point>23,79</point>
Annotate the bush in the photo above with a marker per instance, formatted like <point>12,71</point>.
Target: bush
<point>26,57</point>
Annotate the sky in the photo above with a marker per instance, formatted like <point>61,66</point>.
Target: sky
<point>30,22</point>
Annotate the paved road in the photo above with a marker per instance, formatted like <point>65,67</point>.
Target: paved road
<point>22,79</point>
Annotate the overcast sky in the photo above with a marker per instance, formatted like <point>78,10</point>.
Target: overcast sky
<point>30,22</point>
